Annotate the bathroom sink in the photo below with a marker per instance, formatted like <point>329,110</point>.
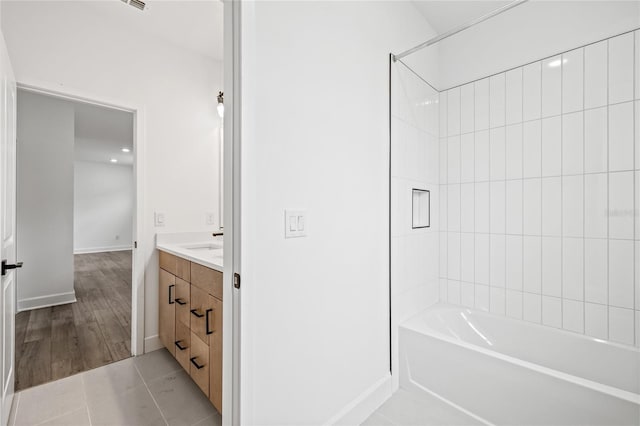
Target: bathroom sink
<point>203,247</point>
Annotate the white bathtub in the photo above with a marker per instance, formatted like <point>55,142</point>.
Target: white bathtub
<point>510,372</point>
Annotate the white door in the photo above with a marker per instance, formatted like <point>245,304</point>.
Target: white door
<point>7,229</point>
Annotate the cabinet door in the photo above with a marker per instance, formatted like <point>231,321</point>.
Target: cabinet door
<point>199,368</point>
<point>183,302</point>
<point>167,310</point>
<point>201,313</point>
<point>215,355</point>
<point>183,345</point>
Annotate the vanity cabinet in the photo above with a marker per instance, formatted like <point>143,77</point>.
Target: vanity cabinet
<point>190,321</point>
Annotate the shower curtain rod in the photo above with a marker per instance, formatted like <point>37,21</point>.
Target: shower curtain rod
<point>459,29</point>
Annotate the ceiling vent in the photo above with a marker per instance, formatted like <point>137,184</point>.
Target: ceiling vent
<point>138,4</point>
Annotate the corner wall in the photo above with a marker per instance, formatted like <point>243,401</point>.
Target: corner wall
<point>44,235</point>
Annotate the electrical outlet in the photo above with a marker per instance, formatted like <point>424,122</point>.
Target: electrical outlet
<point>158,218</point>
<point>210,218</point>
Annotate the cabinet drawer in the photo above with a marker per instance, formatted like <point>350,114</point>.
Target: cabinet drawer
<point>168,262</point>
<point>199,368</point>
<point>183,345</point>
<point>201,314</point>
<point>167,311</point>
<point>215,355</point>
<point>183,302</point>
<point>207,279</point>
<point>177,266</point>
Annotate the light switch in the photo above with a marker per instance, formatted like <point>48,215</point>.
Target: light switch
<point>158,218</point>
<point>295,223</point>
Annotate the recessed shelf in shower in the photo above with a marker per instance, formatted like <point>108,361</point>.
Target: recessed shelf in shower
<point>421,206</point>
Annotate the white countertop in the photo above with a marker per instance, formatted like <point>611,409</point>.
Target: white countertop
<point>198,247</point>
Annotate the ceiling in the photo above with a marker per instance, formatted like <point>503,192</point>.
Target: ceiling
<point>446,15</point>
<point>101,133</point>
<point>192,25</point>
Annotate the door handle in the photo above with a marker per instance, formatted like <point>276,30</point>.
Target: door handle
<point>193,361</point>
<point>182,348</point>
<point>171,302</point>
<point>179,301</point>
<point>195,312</point>
<point>7,266</point>
<point>207,321</point>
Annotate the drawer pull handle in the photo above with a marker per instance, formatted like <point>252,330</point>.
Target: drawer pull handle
<point>180,301</point>
<point>207,321</point>
<point>171,287</point>
<point>182,348</point>
<point>193,361</point>
<point>195,312</point>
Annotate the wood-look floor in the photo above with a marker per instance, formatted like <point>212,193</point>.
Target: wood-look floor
<point>59,341</point>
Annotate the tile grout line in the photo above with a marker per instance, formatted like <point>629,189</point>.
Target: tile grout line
<point>15,416</point>
<point>562,195</point>
<point>584,203</point>
<point>608,195</point>
<point>84,394</point>
<point>151,394</point>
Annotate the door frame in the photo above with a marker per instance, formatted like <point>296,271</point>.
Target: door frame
<point>137,269</point>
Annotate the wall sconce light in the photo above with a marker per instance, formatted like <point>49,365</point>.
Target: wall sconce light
<point>221,104</point>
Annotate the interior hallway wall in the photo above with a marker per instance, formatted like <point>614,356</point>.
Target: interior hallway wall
<point>103,207</point>
<point>45,133</point>
<point>539,178</point>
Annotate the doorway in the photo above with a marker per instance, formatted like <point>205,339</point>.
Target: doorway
<point>76,210</point>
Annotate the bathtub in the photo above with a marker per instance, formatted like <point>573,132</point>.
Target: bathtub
<point>509,372</point>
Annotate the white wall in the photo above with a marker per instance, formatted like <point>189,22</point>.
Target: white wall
<point>540,186</point>
<point>175,87</point>
<point>103,207</point>
<point>315,135</point>
<point>45,200</point>
<point>414,165</point>
<point>524,34</point>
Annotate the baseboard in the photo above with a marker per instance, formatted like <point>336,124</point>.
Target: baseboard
<point>46,301</point>
<point>152,343</point>
<point>358,410</point>
<point>101,249</point>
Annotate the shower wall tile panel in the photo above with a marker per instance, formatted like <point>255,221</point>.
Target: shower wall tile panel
<point>416,154</point>
<point>544,191</point>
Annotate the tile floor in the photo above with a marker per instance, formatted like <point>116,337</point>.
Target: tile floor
<point>407,409</point>
<point>152,389</point>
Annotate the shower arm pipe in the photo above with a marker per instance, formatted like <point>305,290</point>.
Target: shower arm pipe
<point>459,29</point>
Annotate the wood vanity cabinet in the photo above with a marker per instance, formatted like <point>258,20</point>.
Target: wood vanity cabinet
<point>191,321</point>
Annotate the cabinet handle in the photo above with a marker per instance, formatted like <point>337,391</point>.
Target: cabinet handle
<point>180,301</point>
<point>182,348</point>
<point>207,321</point>
<point>195,312</point>
<point>193,361</point>
<point>170,287</point>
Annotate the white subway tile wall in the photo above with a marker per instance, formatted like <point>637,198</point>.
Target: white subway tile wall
<point>416,154</point>
<point>543,196</point>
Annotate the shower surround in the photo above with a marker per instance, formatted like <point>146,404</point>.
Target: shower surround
<point>539,191</point>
